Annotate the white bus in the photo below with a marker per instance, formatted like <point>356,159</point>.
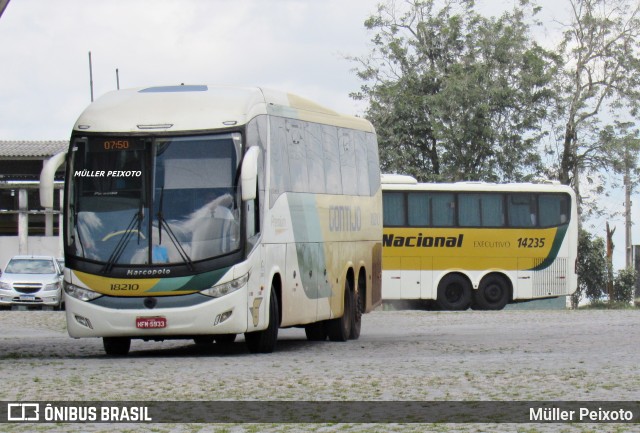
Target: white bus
<point>475,244</point>
<point>204,212</point>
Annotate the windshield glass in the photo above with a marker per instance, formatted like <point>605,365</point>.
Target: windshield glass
<point>30,266</point>
<point>142,201</point>
<point>195,213</point>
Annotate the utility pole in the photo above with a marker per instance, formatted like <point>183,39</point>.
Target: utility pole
<point>610,247</point>
<point>3,6</point>
<point>627,209</point>
<point>90,76</point>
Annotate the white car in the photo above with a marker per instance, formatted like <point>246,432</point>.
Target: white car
<point>31,281</point>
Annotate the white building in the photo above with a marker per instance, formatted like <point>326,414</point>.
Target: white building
<point>25,227</point>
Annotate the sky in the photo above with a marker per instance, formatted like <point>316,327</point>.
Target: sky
<point>297,46</point>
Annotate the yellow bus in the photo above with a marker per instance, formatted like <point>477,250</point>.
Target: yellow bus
<point>203,212</point>
<point>475,244</point>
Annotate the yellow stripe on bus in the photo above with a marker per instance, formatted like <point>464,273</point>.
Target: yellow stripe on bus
<point>462,248</point>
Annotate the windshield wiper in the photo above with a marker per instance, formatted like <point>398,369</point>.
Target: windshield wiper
<point>172,237</point>
<point>136,219</point>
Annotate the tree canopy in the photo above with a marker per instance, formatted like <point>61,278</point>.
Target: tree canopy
<point>455,95</point>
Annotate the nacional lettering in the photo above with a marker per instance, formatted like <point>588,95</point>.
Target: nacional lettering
<point>110,173</point>
<point>391,240</point>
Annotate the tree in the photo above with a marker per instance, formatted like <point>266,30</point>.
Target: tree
<point>592,268</point>
<point>452,94</point>
<point>601,70</point>
<point>622,142</point>
<point>624,285</point>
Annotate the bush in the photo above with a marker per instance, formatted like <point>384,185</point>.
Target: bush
<point>592,268</point>
<point>624,286</point>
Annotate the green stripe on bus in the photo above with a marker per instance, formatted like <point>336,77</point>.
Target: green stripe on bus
<point>555,247</point>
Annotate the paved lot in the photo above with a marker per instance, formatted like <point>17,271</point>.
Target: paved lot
<point>401,355</point>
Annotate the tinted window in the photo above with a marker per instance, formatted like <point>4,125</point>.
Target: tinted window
<point>393,208</point>
<point>522,210</point>
<point>297,153</point>
<point>348,162</point>
<point>443,209</point>
<point>554,209</point>
<point>331,154</point>
<point>419,209</point>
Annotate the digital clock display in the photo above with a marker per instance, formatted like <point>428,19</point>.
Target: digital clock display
<point>115,144</point>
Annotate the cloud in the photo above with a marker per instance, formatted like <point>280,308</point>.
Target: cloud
<point>286,44</point>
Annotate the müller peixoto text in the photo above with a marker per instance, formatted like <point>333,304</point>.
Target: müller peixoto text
<point>583,414</point>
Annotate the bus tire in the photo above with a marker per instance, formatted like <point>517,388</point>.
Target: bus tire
<point>116,346</point>
<point>225,339</point>
<point>316,331</point>
<point>265,341</point>
<point>203,340</point>
<point>356,322</point>
<point>493,293</point>
<point>454,293</point>
<point>339,329</point>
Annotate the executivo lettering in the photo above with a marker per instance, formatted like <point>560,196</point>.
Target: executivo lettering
<point>391,240</point>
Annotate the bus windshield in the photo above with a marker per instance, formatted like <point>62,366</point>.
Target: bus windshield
<point>150,201</point>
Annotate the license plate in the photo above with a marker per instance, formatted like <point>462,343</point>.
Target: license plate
<point>27,298</point>
<point>151,322</point>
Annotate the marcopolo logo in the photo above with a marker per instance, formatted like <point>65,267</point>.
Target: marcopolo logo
<point>420,241</point>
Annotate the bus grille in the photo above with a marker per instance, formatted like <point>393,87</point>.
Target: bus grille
<point>551,281</point>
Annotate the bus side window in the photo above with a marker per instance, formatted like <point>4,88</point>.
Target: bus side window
<point>443,210</point>
<point>393,209</point>
<point>521,210</point>
<point>278,159</point>
<point>315,159</point>
<point>554,209</point>
<point>418,204</point>
<point>331,159</point>
<point>297,153</point>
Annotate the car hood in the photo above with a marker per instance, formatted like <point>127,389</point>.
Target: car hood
<point>29,278</point>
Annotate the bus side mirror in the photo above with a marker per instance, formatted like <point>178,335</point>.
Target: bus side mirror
<point>249,175</point>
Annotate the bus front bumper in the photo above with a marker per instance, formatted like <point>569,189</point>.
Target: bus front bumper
<point>225,315</point>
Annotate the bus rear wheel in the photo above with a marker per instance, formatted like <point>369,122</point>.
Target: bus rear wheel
<point>265,341</point>
<point>316,331</point>
<point>454,293</point>
<point>493,293</point>
<point>116,346</point>
<point>358,310</point>
<point>340,329</point>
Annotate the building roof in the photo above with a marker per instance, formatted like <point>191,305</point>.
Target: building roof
<point>40,149</point>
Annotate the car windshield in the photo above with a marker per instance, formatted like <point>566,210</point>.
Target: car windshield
<point>163,200</point>
<point>30,266</point>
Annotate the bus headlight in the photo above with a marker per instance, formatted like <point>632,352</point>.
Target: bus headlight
<point>226,288</point>
<point>80,292</point>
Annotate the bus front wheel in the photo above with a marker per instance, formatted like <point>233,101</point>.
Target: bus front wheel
<point>454,293</point>
<point>265,341</point>
<point>116,346</point>
<point>493,293</point>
